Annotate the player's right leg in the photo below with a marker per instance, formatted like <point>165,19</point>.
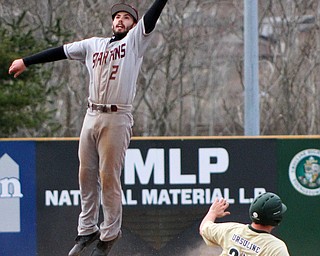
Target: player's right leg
<point>114,140</point>
<point>89,182</point>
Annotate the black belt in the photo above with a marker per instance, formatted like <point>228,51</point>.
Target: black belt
<point>103,108</point>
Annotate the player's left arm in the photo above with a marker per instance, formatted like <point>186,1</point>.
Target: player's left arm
<point>217,210</point>
<point>53,54</point>
<point>152,15</point>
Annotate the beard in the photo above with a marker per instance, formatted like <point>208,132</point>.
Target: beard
<point>122,34</point>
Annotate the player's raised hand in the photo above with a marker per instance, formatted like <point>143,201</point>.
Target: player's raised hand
<point>17,67</point>
<point>219,207</point>
<point>217,210</point>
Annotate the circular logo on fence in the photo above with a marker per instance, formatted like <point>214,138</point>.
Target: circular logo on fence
<point>304,172</point>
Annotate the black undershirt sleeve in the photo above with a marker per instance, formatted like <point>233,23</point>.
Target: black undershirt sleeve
<point>49,55</point>
<point>152,15</point>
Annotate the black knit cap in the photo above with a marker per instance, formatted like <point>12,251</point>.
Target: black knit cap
<point>124,8</point>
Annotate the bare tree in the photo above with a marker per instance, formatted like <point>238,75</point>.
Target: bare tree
<point>289,76</point>
<point>191,82</point>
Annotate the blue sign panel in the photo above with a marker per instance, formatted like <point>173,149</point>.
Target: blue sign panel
<point>17,198</point>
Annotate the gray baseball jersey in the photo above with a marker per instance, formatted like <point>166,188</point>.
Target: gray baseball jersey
<point>113,67</point>
<point>237,239</point>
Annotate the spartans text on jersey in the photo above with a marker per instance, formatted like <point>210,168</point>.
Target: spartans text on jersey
<point>100,58</point>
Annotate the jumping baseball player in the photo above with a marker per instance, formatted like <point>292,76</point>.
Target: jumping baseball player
<point>113,65</point>
<point>238,239</point>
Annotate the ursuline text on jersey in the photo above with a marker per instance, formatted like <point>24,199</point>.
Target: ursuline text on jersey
<point>245,243</point>
<point>101,58</point>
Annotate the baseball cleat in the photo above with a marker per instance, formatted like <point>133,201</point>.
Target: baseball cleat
<point>82,242</point>
<point>104,247</point>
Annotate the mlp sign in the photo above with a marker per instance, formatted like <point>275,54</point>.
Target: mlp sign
<point>195,173</point>
<point>185,172</point>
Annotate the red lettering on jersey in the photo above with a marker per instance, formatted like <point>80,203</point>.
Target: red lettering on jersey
<point>101,58</point>
<point>106,54</point>
<point>117,53</point>
<point>94,59</point>
<point>112,55</point>
<point>123,50</point>
<point>114,72</point>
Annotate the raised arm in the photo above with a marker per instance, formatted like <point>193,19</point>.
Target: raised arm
<point>217,210</point>
<point>53,54</point>
<point>152,15</point>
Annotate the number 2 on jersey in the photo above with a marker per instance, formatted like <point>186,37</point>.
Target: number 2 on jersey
<point>114,72</point>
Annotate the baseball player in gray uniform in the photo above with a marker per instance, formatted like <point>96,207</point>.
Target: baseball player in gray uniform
<point>113,65</point>
<point>236,239</point>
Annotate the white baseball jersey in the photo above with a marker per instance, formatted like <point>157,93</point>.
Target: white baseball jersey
<point>113,67</point>
<point>241,240</point>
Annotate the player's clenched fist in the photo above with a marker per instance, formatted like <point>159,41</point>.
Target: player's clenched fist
<point>17,67</point>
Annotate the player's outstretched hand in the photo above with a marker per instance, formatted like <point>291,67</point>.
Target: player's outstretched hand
<point>219,207</point>
<point>17,67</point>
<point>217,210</point>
